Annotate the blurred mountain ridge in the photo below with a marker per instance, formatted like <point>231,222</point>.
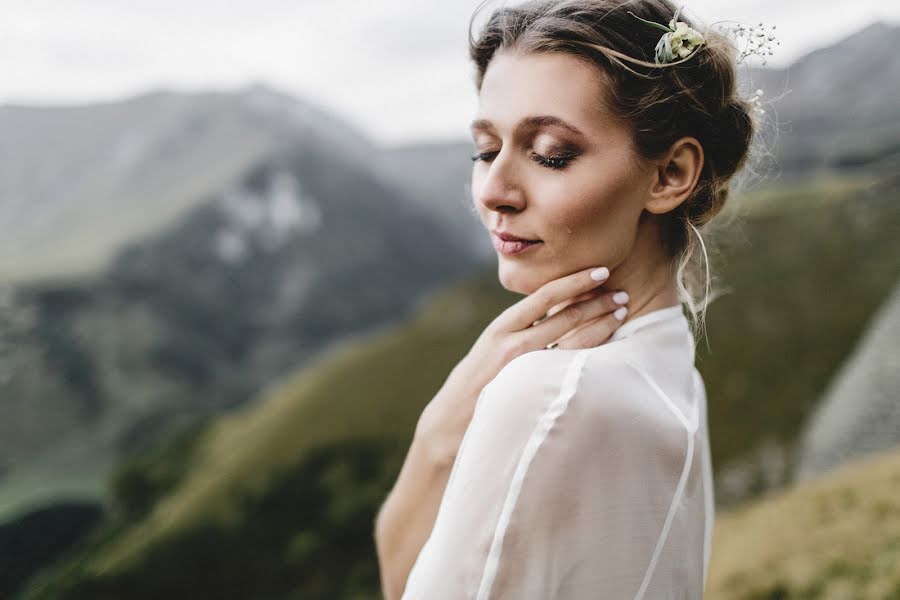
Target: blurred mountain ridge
<point>77,183</point>
<point>308,244</point>
<point>834,107</point>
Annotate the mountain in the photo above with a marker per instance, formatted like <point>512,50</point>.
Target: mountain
<point>835,107</point>
<point>78,182</point>
<point>308,245</point>
<point>121,170</point>
<point>438,176</point>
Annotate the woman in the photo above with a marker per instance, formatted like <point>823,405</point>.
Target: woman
<point>567,454</point>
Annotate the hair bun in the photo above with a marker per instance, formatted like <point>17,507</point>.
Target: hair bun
<point>732,134</point>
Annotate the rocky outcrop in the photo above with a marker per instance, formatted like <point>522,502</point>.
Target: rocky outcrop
<point>860,411</point>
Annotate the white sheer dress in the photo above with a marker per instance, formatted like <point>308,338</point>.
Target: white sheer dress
<point>584,474</point>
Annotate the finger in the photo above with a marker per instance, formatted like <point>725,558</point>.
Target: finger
<point>576,315</point>
<point>595,332</point>
<point>527,311</point>
<point>579,298</point>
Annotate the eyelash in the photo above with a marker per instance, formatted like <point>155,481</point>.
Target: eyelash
<point>556,162</point>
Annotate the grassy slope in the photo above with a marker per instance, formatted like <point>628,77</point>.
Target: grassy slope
<point>378,387</point>
<point>834,537</point>
<point>372,389</point>
<point>804,271</point>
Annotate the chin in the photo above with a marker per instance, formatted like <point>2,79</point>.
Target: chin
<point>518,278</point>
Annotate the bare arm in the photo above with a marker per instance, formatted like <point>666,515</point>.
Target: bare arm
<point>407,516</point>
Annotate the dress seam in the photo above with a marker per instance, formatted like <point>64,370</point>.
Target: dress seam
<point>690,429</point>
<point>538,435</point>
<point>708,497</point>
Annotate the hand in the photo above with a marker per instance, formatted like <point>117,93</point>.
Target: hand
<point>573,310</point>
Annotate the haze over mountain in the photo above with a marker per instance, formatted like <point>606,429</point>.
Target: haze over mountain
<point>77,183</point>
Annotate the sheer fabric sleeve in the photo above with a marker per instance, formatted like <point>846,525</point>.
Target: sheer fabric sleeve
<point>574,480</point>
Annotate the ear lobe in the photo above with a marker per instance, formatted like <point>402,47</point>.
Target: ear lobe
<point>677,176</point>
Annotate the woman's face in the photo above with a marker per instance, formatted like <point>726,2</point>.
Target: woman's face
<point>585,203</point>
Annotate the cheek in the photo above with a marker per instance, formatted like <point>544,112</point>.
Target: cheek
<point>596,210</point>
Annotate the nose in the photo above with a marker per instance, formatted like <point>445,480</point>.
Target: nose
<point>497,186</point>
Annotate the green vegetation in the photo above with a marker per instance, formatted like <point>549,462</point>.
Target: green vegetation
<point>834,537</point>
<point>139,481</point>
<point>802,280</point>
<point>307,535</point>
<point>278,499</point>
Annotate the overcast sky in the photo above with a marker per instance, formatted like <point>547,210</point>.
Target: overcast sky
<point>397,69</point>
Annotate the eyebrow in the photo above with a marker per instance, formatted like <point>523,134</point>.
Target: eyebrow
<point>534,122</point>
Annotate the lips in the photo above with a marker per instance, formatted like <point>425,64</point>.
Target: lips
<point>508,237</point>
<point>514,246</point>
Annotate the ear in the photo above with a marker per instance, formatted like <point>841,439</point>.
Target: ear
<point>674,180</point>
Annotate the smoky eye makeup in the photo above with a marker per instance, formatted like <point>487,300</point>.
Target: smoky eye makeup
<point>547,141</point>
<point>558,149</point>
<point>541,145</point>
<point>556,153</point>
<point>556,163</point>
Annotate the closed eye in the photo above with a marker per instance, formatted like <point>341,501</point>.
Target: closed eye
<point>556,162</point>
<point>485,156</point>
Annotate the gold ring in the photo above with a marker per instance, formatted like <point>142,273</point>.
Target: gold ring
<point>552,346</point>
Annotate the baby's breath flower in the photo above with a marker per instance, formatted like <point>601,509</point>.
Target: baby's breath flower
<point>756,103</point>
<point>753,39</point>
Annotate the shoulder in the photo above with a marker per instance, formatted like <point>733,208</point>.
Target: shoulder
<point>595,389</point>
<point>591,407</point>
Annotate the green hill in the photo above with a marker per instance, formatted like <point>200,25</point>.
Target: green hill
<point>834,537</point>
<point>366,394</point>
<point>278,499</point>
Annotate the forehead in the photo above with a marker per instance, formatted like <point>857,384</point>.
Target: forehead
<point>516,85</point>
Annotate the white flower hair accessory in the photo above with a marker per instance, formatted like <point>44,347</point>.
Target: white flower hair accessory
<point>678,41</point>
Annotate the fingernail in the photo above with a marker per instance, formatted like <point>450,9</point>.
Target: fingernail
<point>620,297</point>
<point>600,274</point>
<point>621,312</point>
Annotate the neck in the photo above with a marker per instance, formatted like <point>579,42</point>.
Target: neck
<point>646,273</point>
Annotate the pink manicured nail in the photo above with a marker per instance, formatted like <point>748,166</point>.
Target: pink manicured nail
<point>600,274</point>
<point>621,312</point>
